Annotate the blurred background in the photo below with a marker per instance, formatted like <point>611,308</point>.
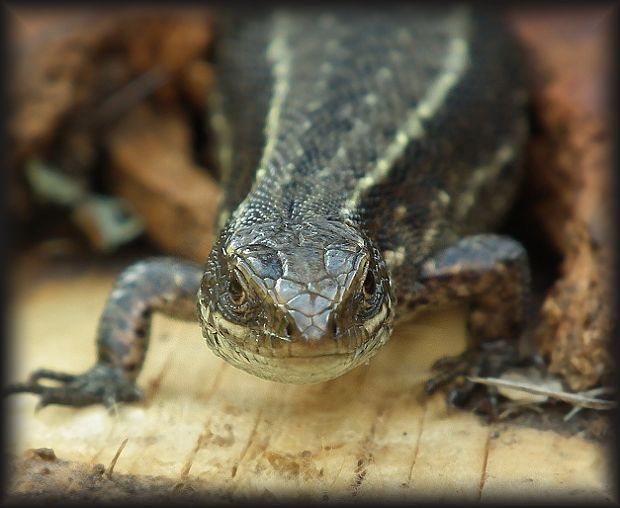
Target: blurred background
<point>110,160</point>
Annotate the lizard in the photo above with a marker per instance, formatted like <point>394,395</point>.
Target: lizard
<point>366,156</point>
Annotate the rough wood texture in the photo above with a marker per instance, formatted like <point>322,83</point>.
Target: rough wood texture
<point>207,427</point>
<point>570,183</point>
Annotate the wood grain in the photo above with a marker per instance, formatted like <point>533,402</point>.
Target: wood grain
<point>368,434</point>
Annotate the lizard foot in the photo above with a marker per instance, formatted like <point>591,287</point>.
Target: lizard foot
<point>486,360</point>
<point>102,384</point>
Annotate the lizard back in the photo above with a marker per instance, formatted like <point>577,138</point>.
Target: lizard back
<point>353,144</point>
<point>343,113</point>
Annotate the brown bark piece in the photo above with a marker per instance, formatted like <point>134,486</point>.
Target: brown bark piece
<point>60,60</point>
<point>76,71</point>
<point>51,73</point>
<point>570,183</point>
<point>151,167</point>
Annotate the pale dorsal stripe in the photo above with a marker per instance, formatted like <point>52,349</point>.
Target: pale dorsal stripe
<point>220,125</point>
<point>453,67</point>
<point>280,57</point>
<point>480,176</point>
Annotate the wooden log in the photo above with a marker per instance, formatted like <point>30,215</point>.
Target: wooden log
<point>209,428</point>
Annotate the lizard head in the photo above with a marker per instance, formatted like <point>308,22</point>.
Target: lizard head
<point>297,303</point>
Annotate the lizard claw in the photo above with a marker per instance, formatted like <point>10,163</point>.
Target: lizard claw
<point>485,360</point>
<point>51,375</point>
<point>102,384</point>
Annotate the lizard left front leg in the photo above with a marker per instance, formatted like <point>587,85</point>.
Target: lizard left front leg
<point>165,285</point>
<point>490,273</point>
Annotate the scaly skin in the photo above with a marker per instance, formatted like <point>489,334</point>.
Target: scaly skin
<point>364,158</point>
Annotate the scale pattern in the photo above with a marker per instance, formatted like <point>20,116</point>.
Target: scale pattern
<point>408,123</point>
<point>381,135</point>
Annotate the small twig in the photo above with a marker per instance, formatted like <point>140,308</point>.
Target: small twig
<point>577,399</point>
<point>108,472</point>
<point>130,94</point>
<point>595,391</point>
<point>572,413</point>
<point>512,408</point>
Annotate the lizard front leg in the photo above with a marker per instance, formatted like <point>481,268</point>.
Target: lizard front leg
<point>490,273</point>
<point>165,285</point>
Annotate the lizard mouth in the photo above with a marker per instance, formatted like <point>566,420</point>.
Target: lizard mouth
<point>272,357</point>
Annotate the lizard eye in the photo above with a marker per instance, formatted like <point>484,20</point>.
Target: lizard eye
<point>369,287</point>
<point>235,290</point>
<point>371,294</point>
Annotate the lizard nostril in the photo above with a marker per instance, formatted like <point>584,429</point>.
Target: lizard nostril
<point>334,328</point>
<point>289,330</point>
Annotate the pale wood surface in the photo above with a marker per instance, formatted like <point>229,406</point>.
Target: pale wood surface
<point>367,434</point>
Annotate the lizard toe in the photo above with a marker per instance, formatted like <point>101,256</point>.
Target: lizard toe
<point>102,384</point>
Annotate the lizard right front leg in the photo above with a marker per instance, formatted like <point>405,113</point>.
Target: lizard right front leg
<point>164,285</point>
